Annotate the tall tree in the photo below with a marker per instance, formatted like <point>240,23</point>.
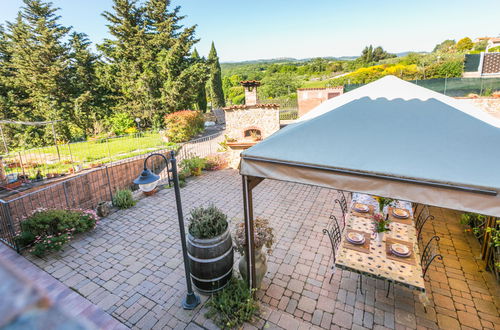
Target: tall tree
<point>215,80</point>
<point>123,55</point>
<point>464,44</point>
<point>201,99</point>
<point>149,59</point>
<point>6,92</point>
<point>39,68</point>
<point>444,46</point>
<point>370,55</point>
<point>87,106</point>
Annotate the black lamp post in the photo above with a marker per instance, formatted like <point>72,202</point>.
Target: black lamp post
<point>147,181</point>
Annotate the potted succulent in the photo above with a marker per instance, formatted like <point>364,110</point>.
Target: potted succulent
<point>210,249</point>
<point>263,236</point>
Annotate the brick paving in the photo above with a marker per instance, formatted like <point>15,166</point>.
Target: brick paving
<point>131,266</point>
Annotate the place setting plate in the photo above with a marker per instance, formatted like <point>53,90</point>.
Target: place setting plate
<point>355,238</point>
<point>400,213</point>
<point>361,208</point>
<point>400,250</point>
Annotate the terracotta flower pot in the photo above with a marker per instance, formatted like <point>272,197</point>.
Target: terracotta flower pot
<point>150,193</point>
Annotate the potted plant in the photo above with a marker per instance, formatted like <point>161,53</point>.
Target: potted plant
<point>195,165</point>
<point>263,236</point>
<point>381,225</point>
<point>103,209</point>
<point>210,249</point>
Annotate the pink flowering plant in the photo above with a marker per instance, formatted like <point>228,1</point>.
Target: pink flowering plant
<point>381,223</point>
<point>46,231</point>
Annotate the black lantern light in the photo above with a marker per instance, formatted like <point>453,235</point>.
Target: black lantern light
<point>147,181</point>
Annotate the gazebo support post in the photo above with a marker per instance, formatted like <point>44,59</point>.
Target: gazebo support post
<point>486,249</point>
<point>248,184</point>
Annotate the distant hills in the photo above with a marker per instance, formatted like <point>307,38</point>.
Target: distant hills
<point>298,60</point>
<point>289,60</point>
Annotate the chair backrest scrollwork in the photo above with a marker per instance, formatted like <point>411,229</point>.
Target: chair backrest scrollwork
<point>342,201</point>
<point>429,254</point>
<point>334,234</point>
<point>421,219</point>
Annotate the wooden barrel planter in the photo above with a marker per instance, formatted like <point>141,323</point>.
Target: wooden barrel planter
<point>211,262</point>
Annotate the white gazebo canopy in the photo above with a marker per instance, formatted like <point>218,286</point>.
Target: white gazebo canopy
<point>394,139</point>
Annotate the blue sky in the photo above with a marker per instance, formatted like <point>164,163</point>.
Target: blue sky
<point>245,30</point>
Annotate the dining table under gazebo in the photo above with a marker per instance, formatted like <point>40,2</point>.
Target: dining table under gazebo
<point>388,138</point>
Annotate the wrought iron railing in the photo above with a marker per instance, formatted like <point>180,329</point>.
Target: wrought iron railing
<point>92,186</point>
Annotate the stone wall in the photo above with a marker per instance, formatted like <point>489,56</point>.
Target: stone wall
<point>309,98</point>
<point>265,119</point>
<point>490,105</point>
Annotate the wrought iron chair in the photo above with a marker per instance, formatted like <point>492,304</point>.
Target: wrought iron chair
<point>342,201</point>
<point>429,253</point>
<point>334,234</point>
<point>417,208</point>
<point>421,219</point>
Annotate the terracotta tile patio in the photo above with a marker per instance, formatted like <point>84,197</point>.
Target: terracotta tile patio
<point>131,266</point>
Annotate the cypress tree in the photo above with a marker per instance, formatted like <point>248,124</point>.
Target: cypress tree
<point>201,99</point>
<point>215,80</point>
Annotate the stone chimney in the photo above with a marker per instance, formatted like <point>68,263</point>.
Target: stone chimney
<point>251,91</point>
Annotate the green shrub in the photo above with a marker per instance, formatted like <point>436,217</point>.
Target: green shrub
<point>46,231</point>
<point>123,199</point>
<point>120,122</point>
<point>475,221</point>
<point>207,222</point>
<point>194,165</point>
<point>233,305</point>
<point>183,125</point>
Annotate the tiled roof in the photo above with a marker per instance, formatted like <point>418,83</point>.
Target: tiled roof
<point>253,106</point>
<point>250,83</point>
<point>491,63</point>
<point>321,88</point>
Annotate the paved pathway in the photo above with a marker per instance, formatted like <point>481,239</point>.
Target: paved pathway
<point>131,266</point>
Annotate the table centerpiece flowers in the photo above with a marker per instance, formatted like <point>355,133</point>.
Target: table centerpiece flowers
<point>381,225</point>
<point>383,202</point>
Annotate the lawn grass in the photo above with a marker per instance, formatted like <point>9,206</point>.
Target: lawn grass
<point>86,154</point>
<point>315,84</point>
